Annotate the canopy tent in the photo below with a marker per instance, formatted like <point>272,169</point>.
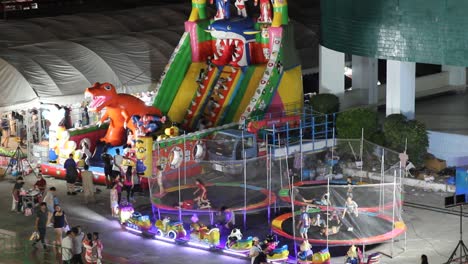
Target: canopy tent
<point>53,60</point>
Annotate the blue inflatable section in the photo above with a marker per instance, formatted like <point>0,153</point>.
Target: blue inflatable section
<point>101,148</point>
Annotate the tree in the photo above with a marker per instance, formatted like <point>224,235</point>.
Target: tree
<point>397,130</point>
<point>349,124</point>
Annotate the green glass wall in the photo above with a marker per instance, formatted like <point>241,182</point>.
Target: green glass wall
<point>426,31</point>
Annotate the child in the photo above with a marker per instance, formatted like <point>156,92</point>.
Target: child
<point>200,188</point>
<point>114,201</point>
<point>118,187</point>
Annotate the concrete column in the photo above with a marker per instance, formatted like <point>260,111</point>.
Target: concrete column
<point>331,66</point>
<point>457,75</point>
<point>365,77</point>
<point>401,81</point>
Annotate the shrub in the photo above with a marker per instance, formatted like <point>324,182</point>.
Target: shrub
<point>325,103</point>
<point>397,129</point>
<point>349,124</point>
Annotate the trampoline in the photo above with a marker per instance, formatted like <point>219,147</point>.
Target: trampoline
<point>368,228</point>
<point>367,198</point>
<point>230,195</point>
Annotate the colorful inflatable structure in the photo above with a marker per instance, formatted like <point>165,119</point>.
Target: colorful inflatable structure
<point>231,68</point>
<point>224,72</point>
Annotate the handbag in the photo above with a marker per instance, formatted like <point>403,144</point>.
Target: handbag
<point>66,228</point>
<point>34,236</point>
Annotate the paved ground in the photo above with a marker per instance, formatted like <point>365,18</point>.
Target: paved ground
<point>433,233</point>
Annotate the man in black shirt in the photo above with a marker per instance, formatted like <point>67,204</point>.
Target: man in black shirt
<point>107,158</point>
<point>41,224</point>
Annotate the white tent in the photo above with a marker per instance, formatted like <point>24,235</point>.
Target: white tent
<point>54,59</point>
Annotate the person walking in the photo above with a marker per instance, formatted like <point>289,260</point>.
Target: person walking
<point>67,248</point>
<point>99,247</point>
<point>78,237</point>
<point>255,249</point>
<point>59,221</point>
<point>51,200</point>
<point>90,248</point>
<point>117,167</point>
<point>88,184</point>
<point>71,174</point>
<point>40,224</point>
<point>107,159</point>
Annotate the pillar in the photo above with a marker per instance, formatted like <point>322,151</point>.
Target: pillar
<point>331,67</point>
<point>457,75</point>
<point>401,81</point>
<point>365,76</point>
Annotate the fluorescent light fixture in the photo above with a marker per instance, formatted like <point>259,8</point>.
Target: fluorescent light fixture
<point>233,253</point>
<point>199,245</point>
<point>133,230</point>
<point>164,239</point>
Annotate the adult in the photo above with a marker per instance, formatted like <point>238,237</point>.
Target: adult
<point>16,195</point>
<point>78,237</point>
<point>107,159</point>
<point>351,207</point>
<point>304,223</point>
<point>424,259</point>
<point>90,248</point>
<point>5,124</point>
<point>40,225</point>
<point>59,221</point>
<point>71,174</point>
<point>99,246</point>
<point>225,218</point>
<point>51,200</point>
<point>255,249</point>
<point>41,183</point>
<point>87,178</point>
<point>298,197</point>
<point>262,255</point>
<point>117,167</point>
<point>67,248</point>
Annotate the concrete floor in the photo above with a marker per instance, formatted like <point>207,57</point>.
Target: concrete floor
<point>432,233</point>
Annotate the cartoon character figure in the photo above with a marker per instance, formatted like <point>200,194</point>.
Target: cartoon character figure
<point>140,151</point>
<point>119,108</point>
<point>265,11</point>
<point>63,146</point>
<point>222,7</point>
<point>305,253</point>
<point>241,10</point>
<point>236,235</point>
